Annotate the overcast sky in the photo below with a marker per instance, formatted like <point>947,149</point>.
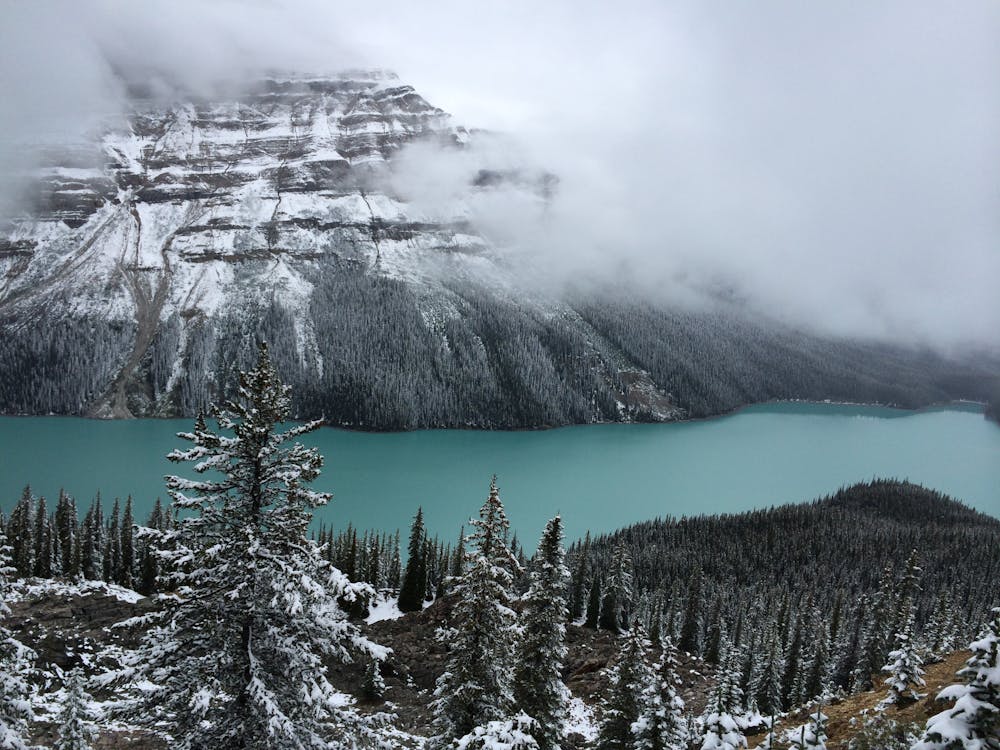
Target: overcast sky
<point>838,163</point>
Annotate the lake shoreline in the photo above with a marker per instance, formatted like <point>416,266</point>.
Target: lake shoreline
<point>968,405</point>
<point>601,478</point>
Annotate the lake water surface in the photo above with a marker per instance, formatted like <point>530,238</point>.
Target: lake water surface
<point>600,477</point>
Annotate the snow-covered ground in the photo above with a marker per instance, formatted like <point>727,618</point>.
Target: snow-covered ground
<point>580,720</point>
<point>386,607</point>
<point>35,587</point>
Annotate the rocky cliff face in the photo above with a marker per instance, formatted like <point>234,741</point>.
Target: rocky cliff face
<point>142,277</point>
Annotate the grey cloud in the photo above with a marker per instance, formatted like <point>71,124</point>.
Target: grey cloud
<point>837,164</point>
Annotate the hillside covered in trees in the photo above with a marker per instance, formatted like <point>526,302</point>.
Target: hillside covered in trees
<point>149,259</point>
<point>673,634</point>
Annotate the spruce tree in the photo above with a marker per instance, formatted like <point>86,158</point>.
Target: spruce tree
<point>904,663</point>
<point>538,687</point>
<point>725,705</point>
<point>661,724</point>
<point>973,723</point>
<point>42,543</point>
<point>905,670</point>
<point>112,546</point>
<point>811,735</point>
<point>15,702</point>
<point>578,585</point>
<point>127,547</point>
<point>617,600</point>
<point>690,637</point>
<point>593,602</point>
<point>516,733</point>
<point>476,687</point>
<point>374,685</point>
<point>766,687</point>
<point>21,534</point>
<point>876,641</point>
<point>411,591</point>
<point>75,729</point>
<point>631,679</point>
<point>792,678</point>
<point>237,653</point>
<point>67,527</point>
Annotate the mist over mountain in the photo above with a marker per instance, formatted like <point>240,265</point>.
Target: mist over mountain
<point>562,217</point>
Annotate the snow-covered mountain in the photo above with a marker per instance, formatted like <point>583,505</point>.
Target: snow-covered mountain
<point>140,279</point>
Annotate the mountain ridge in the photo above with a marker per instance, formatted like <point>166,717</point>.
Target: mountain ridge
<point>139,282</point>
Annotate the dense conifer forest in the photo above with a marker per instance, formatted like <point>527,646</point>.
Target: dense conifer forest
<point>249,612</point>
<point>379,362</point>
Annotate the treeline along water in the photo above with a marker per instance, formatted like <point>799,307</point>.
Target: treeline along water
<point>601,477</point>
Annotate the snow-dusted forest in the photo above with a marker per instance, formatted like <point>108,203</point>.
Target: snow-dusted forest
<point>240,626</point>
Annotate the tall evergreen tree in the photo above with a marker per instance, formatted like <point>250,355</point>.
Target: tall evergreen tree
<point>538,687</point>
<point>630,679</point>
<point>75,729</point>
<point>112,559</point>
<point>617,601</point>
<point>42,543</point>
<point>15,703</point>
<point>127,546</point>
<point>578,586</point>
<point>690,637</point>
<point>661,724</point>
<point>476,687</point>
<point>766,687</point>
<point>905,663</point>
<point>67,527</point>
<point>21,533</point>
<point>876,641</point>
<point>237,654</point>
<point>725,705</point>
<point>411,591</point>
<point>593,602</point>
<point>905,669</point>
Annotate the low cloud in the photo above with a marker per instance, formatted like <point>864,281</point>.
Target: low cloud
<point>836,166</point>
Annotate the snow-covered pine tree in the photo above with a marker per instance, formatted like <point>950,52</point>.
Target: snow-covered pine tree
<point>593,602</point>
<point>617,602</point>
<point>766,685</point>
<point>15,701</point>
<point>722,715</point>
<point>875,644</point>
<point>374,684</point>
<point>904,664</point>
<point>817,682</point>
<point>578,585</point>
<point>661,724</point>
<point>630,680</point>
<point>690,635</point>
<point>476,687</point>
<point>517,733</point>
<point>236,654</point>
<point>940,631</point>
<point>42,543</point>
<point>128,546</point>
<point>538,687</point>
<point>21,536</point>
<point>75,729</point>
<point>768,743</point>
<point>411,590</point>
<point>882,732</point>
<point>905,670</point>
<point>973,723</point>
<point>69,529</point>
<point>811,735</point>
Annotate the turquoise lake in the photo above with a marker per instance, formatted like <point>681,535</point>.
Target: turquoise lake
<point>600,477</point>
